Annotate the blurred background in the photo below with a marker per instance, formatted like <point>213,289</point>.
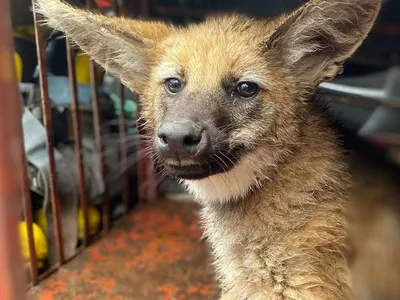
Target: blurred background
<point>155,252</point>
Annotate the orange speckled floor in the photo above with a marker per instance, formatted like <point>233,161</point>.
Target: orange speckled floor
<point>154,253</point>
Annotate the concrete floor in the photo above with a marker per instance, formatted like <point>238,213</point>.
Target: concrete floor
<point>155,252</point>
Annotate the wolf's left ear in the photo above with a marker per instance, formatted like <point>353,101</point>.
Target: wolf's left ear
<point>119,45</point>
<point>316,39</point>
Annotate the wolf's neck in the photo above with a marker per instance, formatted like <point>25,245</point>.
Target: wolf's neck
<point>295,223</point>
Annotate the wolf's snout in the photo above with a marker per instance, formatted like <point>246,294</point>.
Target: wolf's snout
<point>183,139</point>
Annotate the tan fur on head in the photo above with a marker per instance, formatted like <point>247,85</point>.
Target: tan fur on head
<point>276,218</point>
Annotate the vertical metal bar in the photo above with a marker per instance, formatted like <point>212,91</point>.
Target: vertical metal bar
<point>11,276</point>
<point>88,4</point>
<point>139,153</point>
<point>47,120</point>
<point>78,141</point>
<point>27,210</point>
<point>11,279</point>
<point>144,8</point>
<point>115,6</point>
<point>11,164</point>
<point>124,154</point>
<point>99,138</point>
<point>140,167</point>
<point>147,190</point>
<point>100,145</point>
<point>26,198</point>
<point>122,130</point>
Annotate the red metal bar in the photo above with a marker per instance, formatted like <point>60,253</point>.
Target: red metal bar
<point>83,199</point>
<point>99,137</point>
<point>28,215</point>
<point>124,153</point>
<point>47,120</point>
<point>27,206</point>
<point>122,130</point>
<point>115,7</point>
<point>140,167</point>
<point>144,163</point>
<point>11,164</point>
<point>144,8</point>
<point>147,191</point>
<point>99,144</point>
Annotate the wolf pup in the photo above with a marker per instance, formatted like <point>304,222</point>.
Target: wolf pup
<point>227,105</point>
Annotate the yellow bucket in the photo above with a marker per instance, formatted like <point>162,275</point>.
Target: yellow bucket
<point>82,69</point>
<point>18,66</point>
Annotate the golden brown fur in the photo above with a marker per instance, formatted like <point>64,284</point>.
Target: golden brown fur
<point>291,246</point>
<point>277,219</point>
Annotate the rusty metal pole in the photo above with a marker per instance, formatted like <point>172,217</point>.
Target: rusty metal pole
<point>122,131</point>
<point>27,207</point>
<point>100,145</point>
<point>140,163</point>
<point>140,166</point>
<point>47,120</point>
<point>144,8</point>
<point>147,190</point>
<point>83,198</point>
<point>11,164</point>
<point>124,152</point>
<point>99,137</point>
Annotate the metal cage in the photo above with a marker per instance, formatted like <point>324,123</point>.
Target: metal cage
<point>14,183</point>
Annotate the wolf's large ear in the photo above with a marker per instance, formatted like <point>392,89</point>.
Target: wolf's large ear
<point>317,38</point>
<point>119,45</point>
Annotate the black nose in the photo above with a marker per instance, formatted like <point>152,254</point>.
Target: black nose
<point>183,138</point>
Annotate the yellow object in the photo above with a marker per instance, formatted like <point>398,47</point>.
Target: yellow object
<point>94,220</point>
<point>82,68</point>
<point>40,219</point>
<point>18,66</point>
<point>40,242</point>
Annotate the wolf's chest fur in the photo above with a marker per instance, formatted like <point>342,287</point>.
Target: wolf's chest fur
<point>257,258</point>
<point>287,239</point>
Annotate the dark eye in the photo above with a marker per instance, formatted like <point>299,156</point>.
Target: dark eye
<point>247,89</point>
<point>173,85</point>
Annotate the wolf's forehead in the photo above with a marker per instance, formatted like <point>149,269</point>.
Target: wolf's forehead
<point>204,60</point>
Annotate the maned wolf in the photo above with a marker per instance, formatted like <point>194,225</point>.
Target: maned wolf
<point>227,105</point>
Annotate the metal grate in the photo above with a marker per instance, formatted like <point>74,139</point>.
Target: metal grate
<point>14,183</point>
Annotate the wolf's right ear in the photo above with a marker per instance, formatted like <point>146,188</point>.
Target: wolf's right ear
<point>119,45</point>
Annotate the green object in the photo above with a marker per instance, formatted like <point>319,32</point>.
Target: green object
<point>130,110</point>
